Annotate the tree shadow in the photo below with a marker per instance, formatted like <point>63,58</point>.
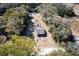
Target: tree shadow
<point>29,28</point>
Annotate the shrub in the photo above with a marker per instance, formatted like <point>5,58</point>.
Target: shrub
<point>59,8</point>
<point>59,28</point>
<point>18,46</point>
<point>65,10</point>
<point>15,19</point>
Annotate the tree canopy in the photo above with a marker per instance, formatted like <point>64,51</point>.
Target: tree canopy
<point>18,46</point>
<point>59,28</point>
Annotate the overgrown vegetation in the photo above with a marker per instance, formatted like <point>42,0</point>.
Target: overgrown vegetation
<point>15,18</point>
<point>55,16</point>
<point>69,51</point>
<point>59,28</point>
<point>12,23</point>
<point>18,46</point>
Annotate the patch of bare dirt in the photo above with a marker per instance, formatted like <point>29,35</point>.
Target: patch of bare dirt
<point>74,21</point>
<point>49,43</point>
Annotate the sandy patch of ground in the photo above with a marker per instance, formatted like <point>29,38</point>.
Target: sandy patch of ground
<point>49,43</point>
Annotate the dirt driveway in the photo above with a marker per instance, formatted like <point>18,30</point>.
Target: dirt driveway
<point>49,43</point>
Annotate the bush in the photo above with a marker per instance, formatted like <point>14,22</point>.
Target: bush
<point>59,28</point>
<point>18,46</point>
<point>65,10</point>
<point>15,19</point>
<point>69,50</point>
<point>47,10</point>
<point>59,8</point>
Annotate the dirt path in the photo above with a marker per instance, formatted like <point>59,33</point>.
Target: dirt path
<point>74,24</point>
<point>76,9</point>
<point>49,43</point>
<point>74,21</point>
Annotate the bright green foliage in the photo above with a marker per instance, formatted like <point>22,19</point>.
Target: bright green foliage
<point>18,46</point>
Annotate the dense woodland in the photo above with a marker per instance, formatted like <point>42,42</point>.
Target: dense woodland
<point>14,20</point>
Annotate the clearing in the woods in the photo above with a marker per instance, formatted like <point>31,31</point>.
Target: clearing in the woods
<point>49,43</point>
